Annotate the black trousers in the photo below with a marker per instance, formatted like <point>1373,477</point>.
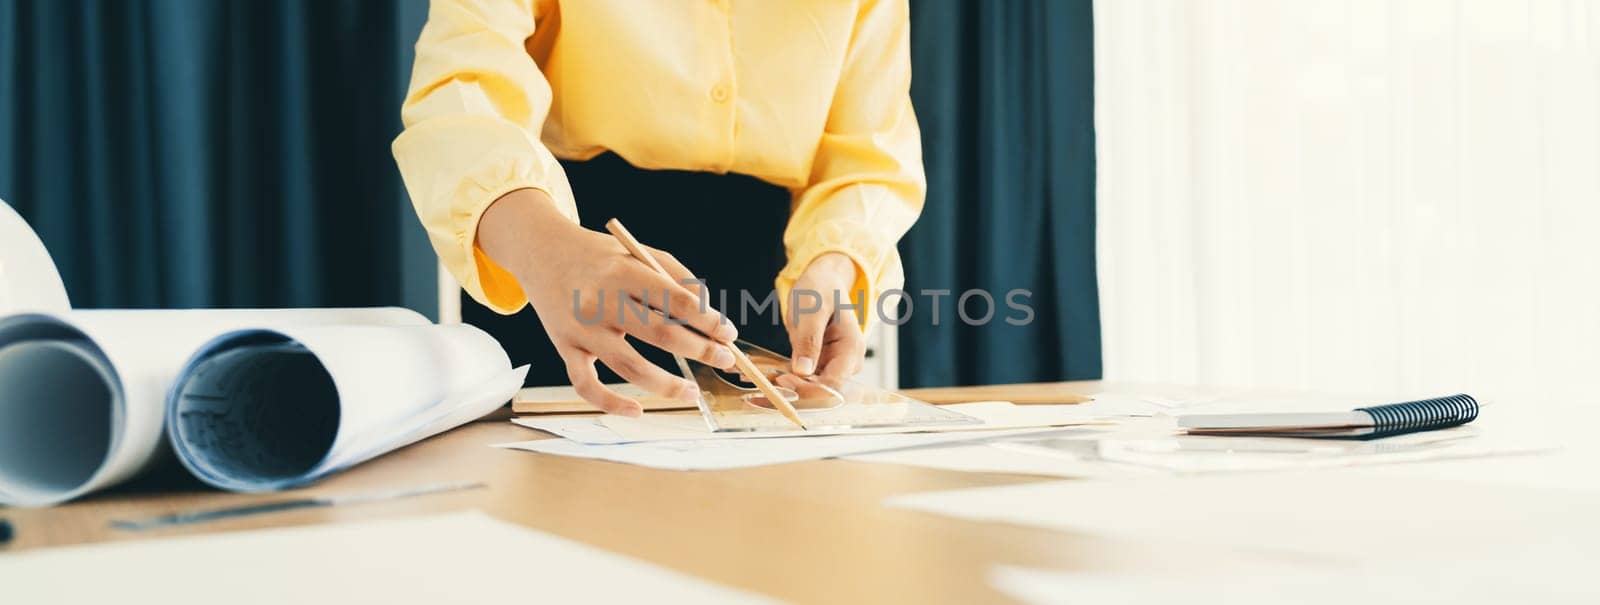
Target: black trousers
<point>727,229</point>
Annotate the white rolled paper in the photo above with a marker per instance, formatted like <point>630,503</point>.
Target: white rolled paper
<point>264,410</point>
<point>69,379</point>
<point>264,399</point>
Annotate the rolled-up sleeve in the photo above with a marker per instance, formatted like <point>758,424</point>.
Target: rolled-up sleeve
<point>472,116</point>
<point>867,185</point>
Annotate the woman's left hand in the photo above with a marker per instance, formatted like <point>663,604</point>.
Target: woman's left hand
<point>827,342</point>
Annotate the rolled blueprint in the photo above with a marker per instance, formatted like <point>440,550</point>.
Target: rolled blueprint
<point>83,393</point>
<point>262,410</point>
<point>269,398</point>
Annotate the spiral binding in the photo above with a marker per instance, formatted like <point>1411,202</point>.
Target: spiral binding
<point>1422,415</point>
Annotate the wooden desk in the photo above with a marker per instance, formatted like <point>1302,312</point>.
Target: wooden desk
<point>837,543</point>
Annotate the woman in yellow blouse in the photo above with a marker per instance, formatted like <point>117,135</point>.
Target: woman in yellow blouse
<point>655,110</point>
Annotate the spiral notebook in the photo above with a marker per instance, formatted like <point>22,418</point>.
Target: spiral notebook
<point>1360,423</point>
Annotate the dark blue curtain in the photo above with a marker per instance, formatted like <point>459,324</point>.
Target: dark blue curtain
<point>1005,95</point>
<point>188,153</point>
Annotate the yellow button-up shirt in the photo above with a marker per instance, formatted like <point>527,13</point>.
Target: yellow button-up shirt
<point>811,95</point>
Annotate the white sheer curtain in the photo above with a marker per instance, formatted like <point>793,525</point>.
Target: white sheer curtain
<point>1397,196</point>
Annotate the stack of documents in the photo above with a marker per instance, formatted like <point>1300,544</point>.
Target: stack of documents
<point>1115,436</point>
<point>682,441</point>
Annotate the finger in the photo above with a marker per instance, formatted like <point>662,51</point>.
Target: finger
<point>679,340</point>
<point>581,372</point>
<point>805,338</point>
<point>680,273</point>
<point>842,357</point>
<point>789,381</point>
<point>840,369</point>
<point>814,391</point>
<point>843,344</point>
<point>621,357</point>
<point>682,305</point>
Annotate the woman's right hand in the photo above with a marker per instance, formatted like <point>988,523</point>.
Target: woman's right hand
<point>573,277</point>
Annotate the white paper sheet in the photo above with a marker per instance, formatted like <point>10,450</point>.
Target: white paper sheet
<point>465,557</point>
<point>584,428</point>
<point>1016,455</point>
<point>142,352</point>
<point>28,278</point>
<point>995,457</point>
<point>721,454</point>
<point>1343,515</point>
<point>1552,572</point>
<point>1194,454</point>
<point>260,410</point>
<point>684,426</point>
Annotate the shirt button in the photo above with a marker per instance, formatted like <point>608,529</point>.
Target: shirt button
<point>719,93</point>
